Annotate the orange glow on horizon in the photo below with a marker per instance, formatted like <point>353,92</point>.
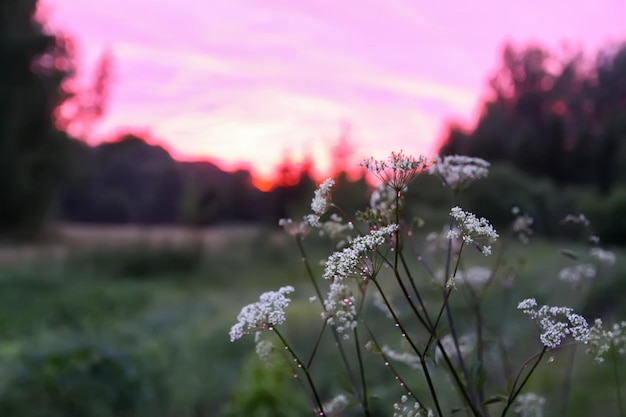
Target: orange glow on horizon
<point>238,84</point>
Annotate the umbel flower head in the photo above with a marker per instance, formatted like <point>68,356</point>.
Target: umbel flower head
<point>556,323</point>
<point>320,202</point>
<point>601,340</point>
<point>458,171</point>
<point>471,229</point>
<point>398,170</point>
<point>340,303</point>
<point>342,264</point>
<point>267,312</point>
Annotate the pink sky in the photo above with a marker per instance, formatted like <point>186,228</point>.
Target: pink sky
<point>246,80</point>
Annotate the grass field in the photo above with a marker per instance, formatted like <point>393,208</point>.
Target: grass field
<point>134,322</point>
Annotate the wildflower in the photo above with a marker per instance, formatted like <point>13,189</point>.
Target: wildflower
<point>321,198</point>
<point>602,340</point>
<point>556,323</point>
<point>407,358</point>
<point>294,229</point>
<point>267,312</point>
<point>340,309</point>
<point>313,220</point>
<point>384,202</point>
<point>343,264</point>
<point>335,406</point>
<point>408,409</point>
<point>470,227</point>
<point>458,171</point>
<point>577,273</point>
<point>529,405</point>
<point>397,170</point>
<point>603,256</point>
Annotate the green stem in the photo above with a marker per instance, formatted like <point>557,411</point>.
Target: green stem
<point>407,271</point>
<point>318,402</point>
<point>515,392</point>
<point>317,344</point>
<point>451,325</point>
<point>362,372</point>
<point>431,387</point>
<point>617,381</point>
<point>397,376</point>
<point>338,343</point>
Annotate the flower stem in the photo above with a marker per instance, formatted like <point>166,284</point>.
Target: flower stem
<point>617,381</point>
<point>515,392</point>
<point>397,376</point>
<point>302,366</point>
<point>362,372</point>
<point>431,387</point>
<point>338,343</point>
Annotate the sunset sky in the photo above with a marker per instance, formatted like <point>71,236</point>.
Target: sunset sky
<point>248,80</point>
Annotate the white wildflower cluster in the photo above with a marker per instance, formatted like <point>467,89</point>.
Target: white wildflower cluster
<point>602,256</point>
<point>556,323</point>
<point>522,226</point>
<point>398,170</point>
<point>336,406</point>
<point>576,274</point>
<point>268,311</point>
<point>321,202</point>
<point>408,408</point>
<point>345,263</point>
<point>338,230</point>
<point>264,348</point>
<point>407,358</point>
<point>340,308</point>
<point>466,346</point>
<point>471,228</point>
<point>529,405</point>
<point>602,340</point>
<point>351,261</point>
<point>295,229</point>
<point>458,171</point>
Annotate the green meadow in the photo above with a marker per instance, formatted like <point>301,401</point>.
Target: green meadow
<point>140,326</point>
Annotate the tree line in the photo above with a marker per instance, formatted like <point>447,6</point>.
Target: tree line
<point>560,116</point>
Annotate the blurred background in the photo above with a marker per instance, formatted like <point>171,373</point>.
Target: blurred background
<point>148,150</point>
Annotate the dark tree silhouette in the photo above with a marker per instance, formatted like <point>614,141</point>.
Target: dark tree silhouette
<point>33,152</point>
<point>560,116</point>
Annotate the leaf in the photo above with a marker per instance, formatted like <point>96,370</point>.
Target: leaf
<point>371,346</point>
<point>496,399</point>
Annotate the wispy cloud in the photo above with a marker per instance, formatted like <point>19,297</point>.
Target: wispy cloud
<point>246,79</point>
